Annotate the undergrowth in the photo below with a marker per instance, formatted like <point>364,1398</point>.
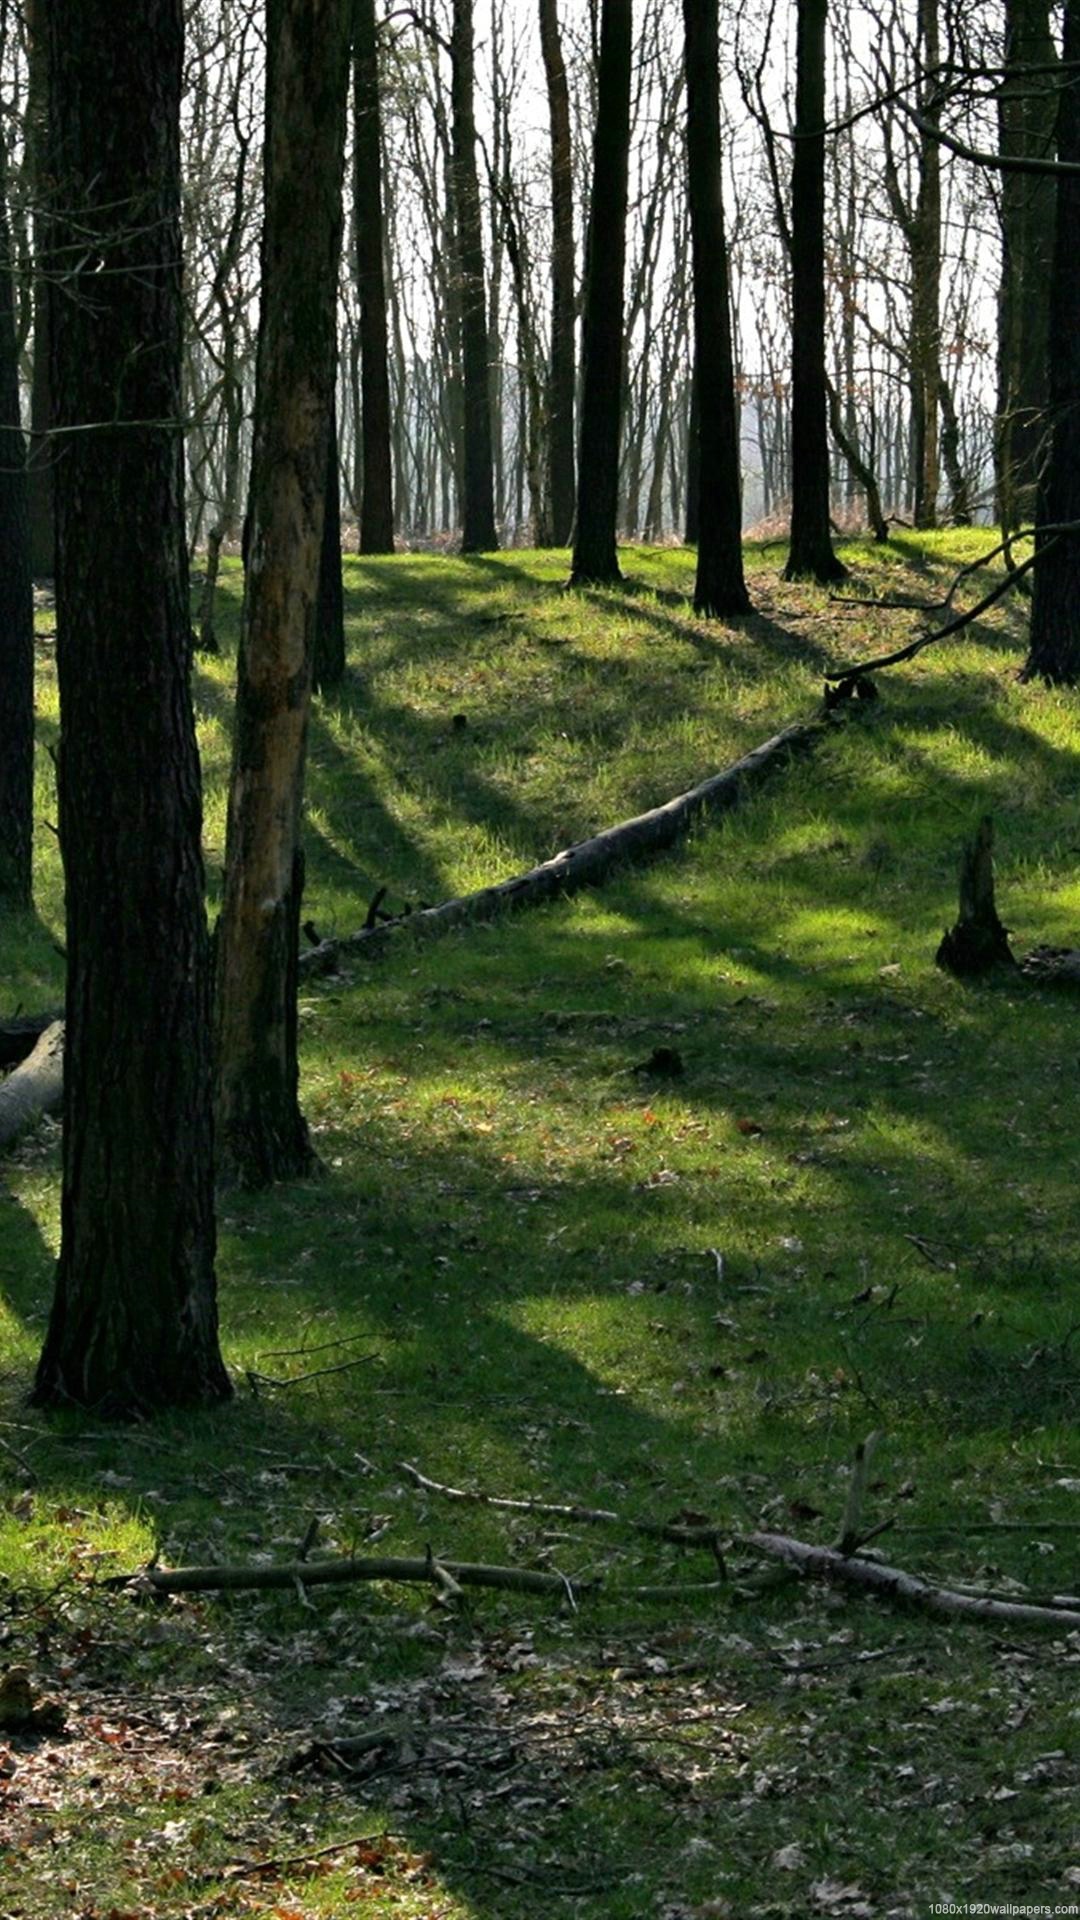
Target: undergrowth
<point>533,1267</point>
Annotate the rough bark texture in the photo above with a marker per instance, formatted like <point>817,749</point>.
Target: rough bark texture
<point>16,609</point>
<point>262,1134</point>
<point>134,1319</point>
<point>1054,642</point>
<point>1027,114</point>
<point>42,453</point>
<point>328,646</point>
<point>35,1087</point>
<point>719,586</point>
<point>478,496</point>
<point>924,242</point>
<point>978,943</point>
<point>560,393</point>
<point>377,491</point>
<point>811,541</point>
<point>595,556</point>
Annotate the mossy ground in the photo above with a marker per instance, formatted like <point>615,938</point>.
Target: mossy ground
<point>510,1261</point>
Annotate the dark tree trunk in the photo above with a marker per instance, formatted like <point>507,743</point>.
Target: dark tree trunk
<point>560,398</point>
<point>693,464</point>
<point>811,541</point>
<point>720,588</point>
<point>262,1133</point>
<point>925,247</point>
<point>1027,107</point>
<point>134,1319</point>
<point>16,606</point>
<point>595,555</point>
<point>377,495</point>
<point>328,646</point>
<point>1054,641</point>
<point>42,453</point>
<point>478,499</point>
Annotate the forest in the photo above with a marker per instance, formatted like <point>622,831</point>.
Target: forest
<point>539,636</point>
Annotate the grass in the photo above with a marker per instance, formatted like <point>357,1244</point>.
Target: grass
<point>513,1241</point>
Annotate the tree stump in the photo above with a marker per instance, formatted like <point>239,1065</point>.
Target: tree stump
<point>978,943</point>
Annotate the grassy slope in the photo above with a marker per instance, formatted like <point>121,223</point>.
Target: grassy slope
<point>514,1230</point>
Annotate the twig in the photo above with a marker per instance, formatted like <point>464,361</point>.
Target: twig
<point>301,1353</point>
<point>682,1536</point>
<point>278,1863</point>
<point>257,1379</point>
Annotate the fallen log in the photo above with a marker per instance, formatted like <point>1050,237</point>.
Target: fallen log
<point>35,1087</point>
<point>839,1569</point>
<point>584,864</point>
<point>20,1035</point>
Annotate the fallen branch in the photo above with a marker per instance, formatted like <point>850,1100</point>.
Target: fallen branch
<point>955,625</point>
<point>825,1563</point>
<point>35,1087</point>
<point>680,1535</point>
<point>585,864</point>
<point>321,1573</point>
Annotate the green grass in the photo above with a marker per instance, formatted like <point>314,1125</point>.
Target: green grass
<point>513,1239</point>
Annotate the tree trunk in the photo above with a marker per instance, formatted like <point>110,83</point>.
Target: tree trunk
<point>328,646</point>
<point>134,1318</point>
<point>925,245</point>
<point>595,555</point>
<point>1054,639</point>
<point>16,606</point>
<point>42,453</point>
<point>478,533</point>
<point>1027,115</point>
<point>719,588</point>
<point>811,551</point>
<point>377,501</point>
<point>261,1131</point>
<point>693,462</point>
<point>560,400</point>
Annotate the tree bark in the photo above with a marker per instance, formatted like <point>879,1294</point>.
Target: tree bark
<point>720,588</point>
<point>377,493</point>
<point>42,454</point>
<point>595,556</point>
<point>328,646</point>
<point>16,606</point>
<point>560,400</point>
<point>134,1318</point>
<point>925,248</point>
<point>261,1131</point>
<point>811,551</point>
<point>1054,639</point>
<point>478,533</point>
<point>1027,113</point>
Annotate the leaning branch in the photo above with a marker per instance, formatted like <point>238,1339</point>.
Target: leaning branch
<point>35,1087</point>
<point>582,865</point>
<point>955,625</point>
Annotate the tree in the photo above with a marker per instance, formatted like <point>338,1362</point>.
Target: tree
<point>16,603</point>
<point>40,476</point>
<point>478,500</point>
<point>719,587</point>
<point>1027,105</point>
<point>376,499</point>
<point>560,391</point>
<point>328,641</point>
<point>811,550</point>
<point>134,1318</point>
<point>1054,638</point>
<point>261,1131</point>
<point>595,556</point>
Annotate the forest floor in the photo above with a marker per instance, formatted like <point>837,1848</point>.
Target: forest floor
<point>507,1276</point>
